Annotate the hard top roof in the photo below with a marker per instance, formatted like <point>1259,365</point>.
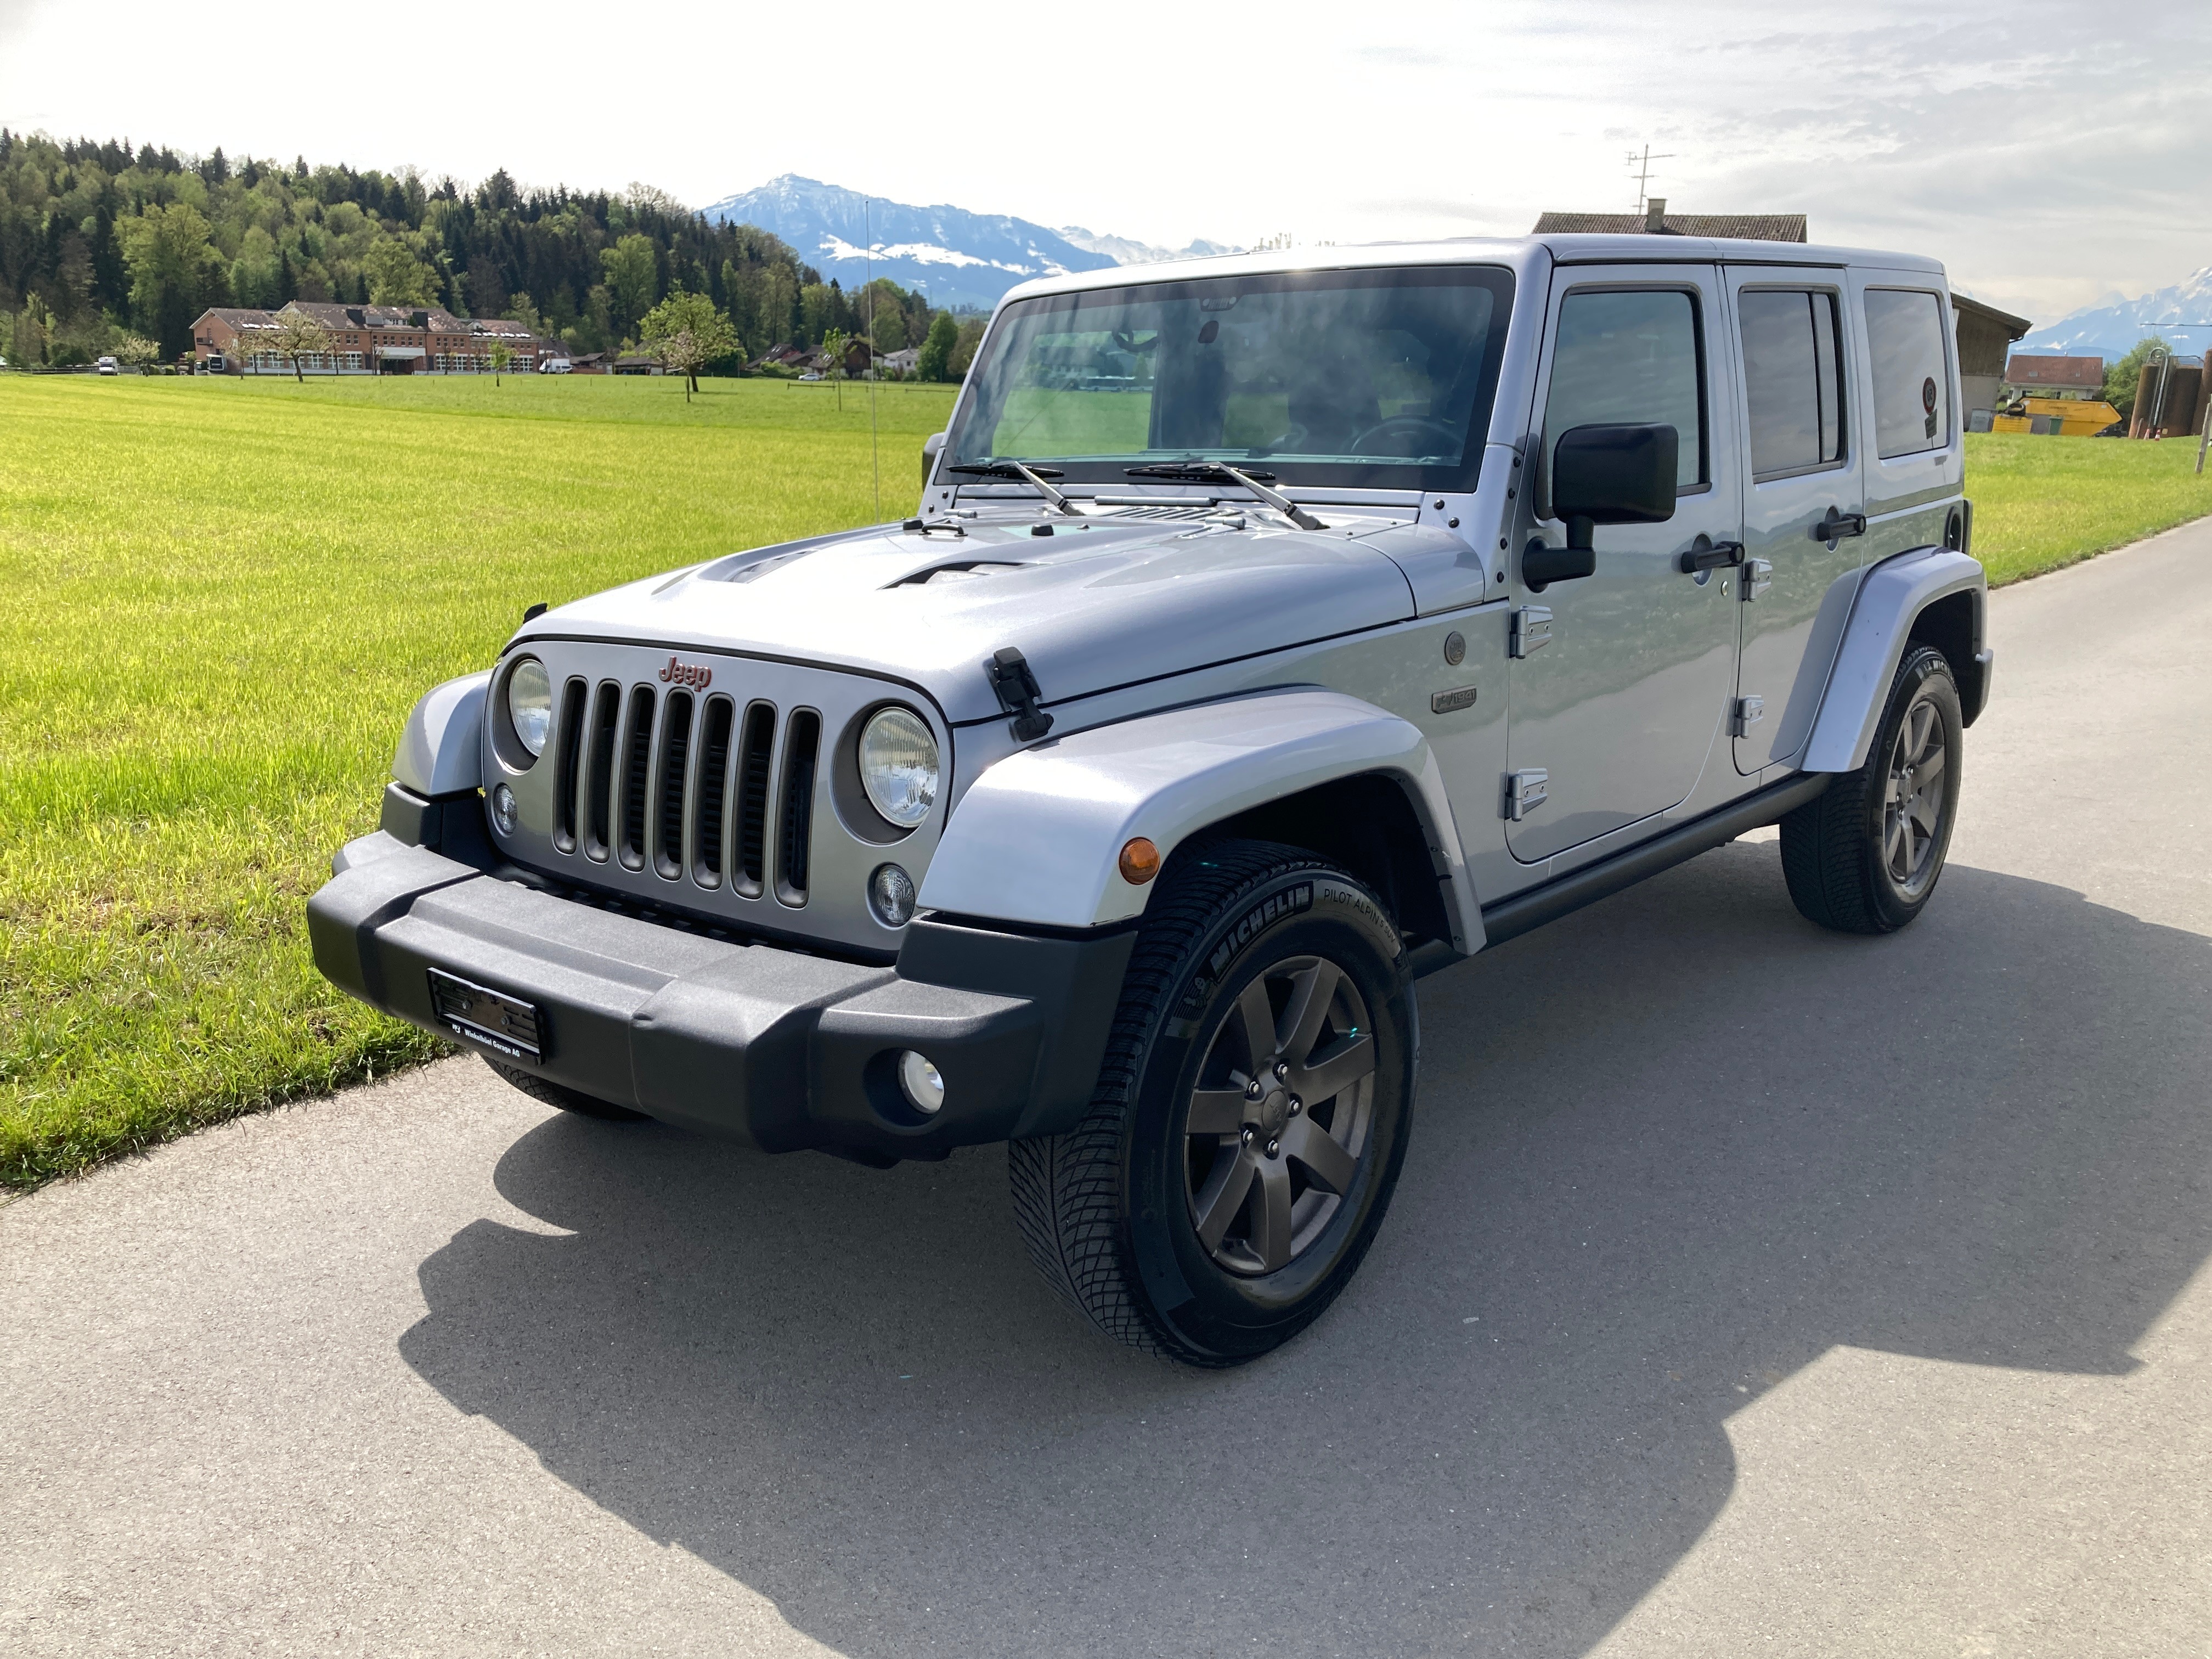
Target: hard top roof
<point>1518,252</point>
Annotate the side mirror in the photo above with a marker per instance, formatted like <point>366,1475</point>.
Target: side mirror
<point>930,447</point>
<point>1604,475</point>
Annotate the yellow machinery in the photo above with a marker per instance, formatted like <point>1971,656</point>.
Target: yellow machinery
<point>2064,418</point>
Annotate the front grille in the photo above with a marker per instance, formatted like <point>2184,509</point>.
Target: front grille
<point>751,863</point>
<point>675,756</point>
<point>637,760</point>
<point>597,781</point>
<point>714,766</point>
<point>726,792</point>
<point>798,815</point>
<point>660,783</point>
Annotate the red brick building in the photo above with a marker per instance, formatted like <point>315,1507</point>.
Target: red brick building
<point>371,340</point>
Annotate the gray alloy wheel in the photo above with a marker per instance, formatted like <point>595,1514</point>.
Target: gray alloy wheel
<point>1275,1132</point>
<point>1915,803</point>
<point>1864,856</point>
<point>1251,1115</point>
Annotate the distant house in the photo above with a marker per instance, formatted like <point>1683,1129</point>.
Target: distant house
<point>900,362</point>
<point>1986,334</point>
<point>370,340</point>
<point>1656,221</point>
<point>2056,377</point>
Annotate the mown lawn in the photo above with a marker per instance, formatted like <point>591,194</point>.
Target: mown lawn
<point>2042,502</point>
<point>219,598</point>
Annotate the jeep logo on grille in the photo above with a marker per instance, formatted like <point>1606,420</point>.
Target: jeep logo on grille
<point>688,674</point>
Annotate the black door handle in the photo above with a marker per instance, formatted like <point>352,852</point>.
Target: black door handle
<point>1837,526</point>
<point>1712,558</point>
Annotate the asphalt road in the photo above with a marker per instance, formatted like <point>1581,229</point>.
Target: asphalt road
<point>1750,1289</point>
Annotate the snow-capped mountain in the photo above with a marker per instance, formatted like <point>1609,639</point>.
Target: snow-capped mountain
<point>2112,329</point>
<point>955,257</point>
<point>1124,251</point>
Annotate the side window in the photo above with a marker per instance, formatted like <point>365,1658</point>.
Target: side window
<point>1791,355</point>
<point>1631,357</point>
<point>1911,386</point>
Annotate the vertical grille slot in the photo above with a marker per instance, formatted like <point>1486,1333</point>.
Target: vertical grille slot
<point>713,792</point>
<point>637,764</point>
<point>599,775</point>
<point>750,778</point>
<point>567,752</point>
<point>795,815</point>
<point>675,764</point>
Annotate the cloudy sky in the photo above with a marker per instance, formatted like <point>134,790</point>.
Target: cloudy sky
<point>2051,154</point>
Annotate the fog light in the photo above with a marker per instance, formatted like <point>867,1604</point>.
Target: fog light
<point>890,896</point>
<point>925,1090</point>
<point>506,812</point>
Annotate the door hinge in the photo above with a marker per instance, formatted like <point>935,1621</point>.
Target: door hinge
<point>1532,630</point>
<point>1525,792</point>
<point>1744,713</point>
<point>1754,579</point>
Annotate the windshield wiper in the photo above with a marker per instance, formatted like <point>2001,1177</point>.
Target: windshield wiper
<point>1015,473</point>
<point>1222,472</point>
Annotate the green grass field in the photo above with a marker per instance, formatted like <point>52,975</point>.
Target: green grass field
<point>2040,503</point>
<point>219,598</point>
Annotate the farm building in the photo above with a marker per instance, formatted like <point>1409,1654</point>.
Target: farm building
<point>367,340</point>
<point>1986,334</point>
<point>2055,377</point>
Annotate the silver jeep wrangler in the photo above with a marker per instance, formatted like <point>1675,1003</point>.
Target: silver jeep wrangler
<point>1274,630</point>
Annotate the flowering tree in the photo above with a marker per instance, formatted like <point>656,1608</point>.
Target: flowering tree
<point>295,335</point>
<point>686,332</point>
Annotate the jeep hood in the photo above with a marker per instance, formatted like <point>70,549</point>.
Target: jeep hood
<point>1099,603</point>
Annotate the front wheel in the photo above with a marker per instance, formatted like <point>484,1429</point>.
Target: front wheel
<point>1863,856</point>
<point>1251,1114</point>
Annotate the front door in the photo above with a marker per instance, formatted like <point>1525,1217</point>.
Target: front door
<point>1803,506</point>
<point>1623,678</point>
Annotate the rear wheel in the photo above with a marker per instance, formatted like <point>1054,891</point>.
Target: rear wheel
<point>1864,856</point>
<point>568,1100</point>
<point>1251,1115</point>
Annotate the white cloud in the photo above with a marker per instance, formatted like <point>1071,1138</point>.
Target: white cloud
<point>2047,152</point>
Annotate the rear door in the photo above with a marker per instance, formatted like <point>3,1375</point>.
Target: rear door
<point>1622,679</point>
<point>1803,500</point>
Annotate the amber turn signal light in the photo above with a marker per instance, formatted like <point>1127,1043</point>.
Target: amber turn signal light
<point>1141,861</point>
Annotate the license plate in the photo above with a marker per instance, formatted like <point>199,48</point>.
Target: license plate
<point>491,1019</point>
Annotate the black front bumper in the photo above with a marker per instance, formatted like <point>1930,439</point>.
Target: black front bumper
<point>775,1046</point>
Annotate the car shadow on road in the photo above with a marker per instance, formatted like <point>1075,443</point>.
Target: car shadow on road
<point>1667,1153</point>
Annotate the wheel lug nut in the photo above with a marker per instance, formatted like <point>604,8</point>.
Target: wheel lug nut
<point>1297,1105</point>
<point>1245,1138</point>
<point>1274,1147</point>
<point>1254,1090</point>
<point>1282,1070</point>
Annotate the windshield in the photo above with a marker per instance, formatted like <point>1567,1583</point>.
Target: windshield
<point>1365,379</point>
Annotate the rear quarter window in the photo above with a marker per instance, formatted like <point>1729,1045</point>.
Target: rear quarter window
<point>1912,380</point>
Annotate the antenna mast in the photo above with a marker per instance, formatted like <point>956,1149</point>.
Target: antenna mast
<point>1639,167</point>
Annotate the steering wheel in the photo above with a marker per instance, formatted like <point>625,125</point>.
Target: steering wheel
<point>1447,442</point>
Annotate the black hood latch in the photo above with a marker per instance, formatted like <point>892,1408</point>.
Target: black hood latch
<point>1017,691</point>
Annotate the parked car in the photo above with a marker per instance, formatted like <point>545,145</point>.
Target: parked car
<point>812,374</point>
<point>555,366</point>
<point>1272,632</point>
<point>107,365</point>
<point>215,363</point>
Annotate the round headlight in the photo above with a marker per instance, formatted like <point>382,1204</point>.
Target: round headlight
<point>530,704</point>
<point>898,766</point>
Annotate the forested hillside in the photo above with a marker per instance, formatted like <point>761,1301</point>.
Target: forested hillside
<point>96,241</point>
